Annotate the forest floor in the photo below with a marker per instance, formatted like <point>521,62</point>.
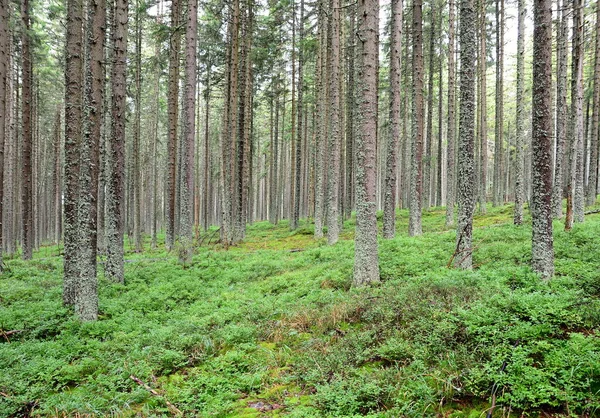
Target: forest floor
<point>273,327</point>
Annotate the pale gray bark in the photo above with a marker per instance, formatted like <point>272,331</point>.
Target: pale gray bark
<point>592,189</point>
<point>541,199</point>
<point>466,143</point>
<point>451,132</point>
<point>4,109</point>
<point>575,197</point>
<point>520,117</point>
<point>189,129</point>
<point>389,210</point>
<point>482,145</point>
<point>115,197</point>
<point>499,110</point>
<point>136,175</point>
<point>73,122</point>
<point>366,262</point>
<point>428,159</point>
<point>561,110</point>
<point>335,132</point>
<point>320,144</point>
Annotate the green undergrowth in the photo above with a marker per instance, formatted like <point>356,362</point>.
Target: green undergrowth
<point>274,327</point>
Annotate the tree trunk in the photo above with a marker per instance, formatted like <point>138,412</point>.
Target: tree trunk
<point>335,132</point>
<point>299,131</point>
<point>542,252</point>
<point>428,160</point>
<point>73,122</point>
<point>575,198</point>
<point>187,158</point>
<point>499,124</point>
<point>592,189</point>
<point>416,175</point>
<point>482,108</point>
<point>561,110</point>
<point>366,262</point>
<point>451,132</point>
<point>173,115</point>
<point>137,173</point>
<point>4,109</point>
<point>520,116</point>
<point>321,144</point>
<point>389,209</point>
<point>466,144</point>
<point>27,151</point>
<point>86,300</point>
<point>115,197</point>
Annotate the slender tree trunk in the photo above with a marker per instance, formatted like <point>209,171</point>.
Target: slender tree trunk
<point>520,116</point>
<point>137,173</point>
<point>173,115</point>
<point>389,210</point>
<point>27,151</point>
<point>86,300</point>
<point>592,189</point>
<point>57,180</point>
<point>299,131</point>
<point>321,144</point>
<point>466,144</point>
<point>366,262</point>
<point>561,110</point>
<point>499,134</point>
<point>451,136</point>
<point>115,197</point>
<point>575,180</point>
<point>335,132</point>
<point>4,108</point>
<point>416,175</point>
<point>73,123</point>
<point>541,200</point>
<point>427,161</point>
<point>482,108</point>
<point>350,112</point>
<point>438,183</point>
<point>228,131</point>
<point>187,158</point>
<point>205,197</point>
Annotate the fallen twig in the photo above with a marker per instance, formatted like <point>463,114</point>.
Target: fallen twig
<point>172,407</point>
<point>5,334</point>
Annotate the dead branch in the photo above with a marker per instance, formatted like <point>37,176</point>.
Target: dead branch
<point>172,407</point>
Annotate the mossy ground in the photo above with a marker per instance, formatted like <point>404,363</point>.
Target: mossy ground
<point>274,327</point>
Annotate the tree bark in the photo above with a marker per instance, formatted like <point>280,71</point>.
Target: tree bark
<point>115,196</point>
<point>366,261</point>
<point>173,115</point>
<point>520,116</point>
<point>482,109</point>
<point>499,124</point>
<point>321,144</point>
<point>389,208</point>
<point>541,199</point>
<point>451,132</point>
<point>187,159</point>
<point>466,144</point>
<point>335,132</point>
<point>561,110</point>
<point>416,174</point>
<point>4,109</point>
<point>575,198</point>
<point>592,189</point>
<point>27,150</point>
<point>73,122</point>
